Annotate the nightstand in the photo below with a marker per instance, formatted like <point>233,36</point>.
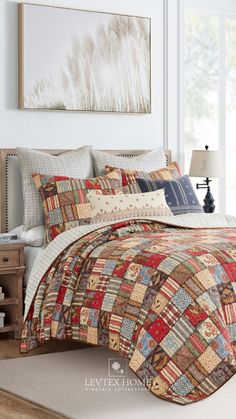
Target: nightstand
<point>12,268</point>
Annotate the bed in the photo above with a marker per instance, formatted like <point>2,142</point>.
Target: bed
<point>160,290</point>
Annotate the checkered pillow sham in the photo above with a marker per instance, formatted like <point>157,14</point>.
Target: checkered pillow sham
<point>145,162</point>
<point>129,177</point>
<point>65,200</point>
<point>74,163</point>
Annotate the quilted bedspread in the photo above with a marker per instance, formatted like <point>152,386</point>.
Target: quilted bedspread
<point>163,297</point>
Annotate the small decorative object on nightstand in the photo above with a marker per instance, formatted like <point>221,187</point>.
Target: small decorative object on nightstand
<point>12,267</point>
<point>2,295</point>
<point>206,164</point>
<point>2,315</point>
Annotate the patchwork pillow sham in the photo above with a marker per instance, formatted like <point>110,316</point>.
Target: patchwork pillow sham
<point>179,193</point>
<point>65,200</point>
<point>129,177</point>
<point>110,208</point>
<point>146,162</point>
<point>76,163</point>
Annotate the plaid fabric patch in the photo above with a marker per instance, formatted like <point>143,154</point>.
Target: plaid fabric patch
<point>65,201</point>
<point>175,323</point>
<point>129,177</point>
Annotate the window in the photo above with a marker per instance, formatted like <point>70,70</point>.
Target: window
<point>201,81</point>
<point>230,115</point>
<point>207,89</point>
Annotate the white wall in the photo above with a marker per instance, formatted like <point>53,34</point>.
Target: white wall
<point>72,129</point>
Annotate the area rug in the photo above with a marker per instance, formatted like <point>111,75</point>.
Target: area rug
<point>97,384</point>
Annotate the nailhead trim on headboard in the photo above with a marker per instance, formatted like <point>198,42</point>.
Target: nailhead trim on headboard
<point>6,190</point>
<point>6,153</point>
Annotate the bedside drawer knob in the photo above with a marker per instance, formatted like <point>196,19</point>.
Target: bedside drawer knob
<point>5,259</point>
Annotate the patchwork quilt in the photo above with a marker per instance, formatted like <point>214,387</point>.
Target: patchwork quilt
<point>163,297</point>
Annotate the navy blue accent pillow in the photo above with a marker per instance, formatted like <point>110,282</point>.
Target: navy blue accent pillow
<point>179,194</point>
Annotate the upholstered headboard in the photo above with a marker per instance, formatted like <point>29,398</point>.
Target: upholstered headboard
<point>11,205</point>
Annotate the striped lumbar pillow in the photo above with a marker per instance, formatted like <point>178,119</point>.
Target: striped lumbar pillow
<point>179,194</point>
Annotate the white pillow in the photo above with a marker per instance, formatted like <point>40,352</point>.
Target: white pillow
<point>75,163</point>
<point>33,237</point>
<point>147,162</point>
<point>115,207</point>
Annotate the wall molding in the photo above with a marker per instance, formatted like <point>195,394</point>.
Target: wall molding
<point>172,74</point>
<point>165,73</point>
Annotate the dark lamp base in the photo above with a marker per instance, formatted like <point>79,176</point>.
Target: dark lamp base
<point>209,206</point>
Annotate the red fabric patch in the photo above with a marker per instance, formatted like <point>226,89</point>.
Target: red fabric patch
<point>30,312</point>
<point>54,231</point>
<point>77,268</point>
<point>97,300</point>
<point>124,180</point>
<point>159,329</point>
<point>230,269</point>
<point>55,178</point>
<point>91,184</point>
<point>195,315</point>
<point>61,295</point>
<point>155,260</point>
<point>75,318</point>
<point>119,225</point>
<point>121,268</point>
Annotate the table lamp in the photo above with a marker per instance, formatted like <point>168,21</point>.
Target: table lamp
<point>206,163</point>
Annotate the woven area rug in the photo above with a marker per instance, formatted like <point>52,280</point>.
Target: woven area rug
<point>95,383</point>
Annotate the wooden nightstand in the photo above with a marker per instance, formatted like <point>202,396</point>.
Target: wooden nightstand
<point>12,267</point>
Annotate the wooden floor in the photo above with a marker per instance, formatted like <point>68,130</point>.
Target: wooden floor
<point>12,407</point>
<point>9,347</point>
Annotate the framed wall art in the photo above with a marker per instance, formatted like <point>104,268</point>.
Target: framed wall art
<point>77,60</point>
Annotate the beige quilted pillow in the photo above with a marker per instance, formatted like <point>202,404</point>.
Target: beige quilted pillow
<point>115,207</point>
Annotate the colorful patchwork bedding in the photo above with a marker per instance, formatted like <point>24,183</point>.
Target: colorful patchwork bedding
<point>163,297</point>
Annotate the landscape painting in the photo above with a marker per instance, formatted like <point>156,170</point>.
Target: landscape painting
<point>74,60</point>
